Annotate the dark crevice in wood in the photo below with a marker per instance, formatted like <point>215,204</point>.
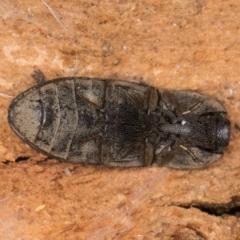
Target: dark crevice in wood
<point>21,159</point>
<point>6,162</point>
<point>231,208</point>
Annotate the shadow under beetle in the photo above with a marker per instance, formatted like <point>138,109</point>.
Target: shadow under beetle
<point>120,124</point>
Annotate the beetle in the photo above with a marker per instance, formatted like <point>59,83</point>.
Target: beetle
<point>120,124</point>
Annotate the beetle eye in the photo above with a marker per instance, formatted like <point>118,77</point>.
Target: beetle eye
<point>223,131</point>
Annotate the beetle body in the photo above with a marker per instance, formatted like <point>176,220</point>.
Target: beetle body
<point>118,123</point>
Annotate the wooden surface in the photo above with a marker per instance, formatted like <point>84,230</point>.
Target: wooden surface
<point>184,44</point>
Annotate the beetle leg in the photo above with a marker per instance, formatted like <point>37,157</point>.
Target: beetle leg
<point>129,151</point>
<point>171,102</point>
<point>148,158</point>
<point>147,152</point>
<point>192,108</point>
<point>195,159</point>
<point>142,103</point>
<point>172,153</point>
<point>38,76</point>
<point>87,150</point>
<point>167,154</point>
<point>87,101</point>
<point>173,105</point>
<point>140,154</point>
<point>87,139</point>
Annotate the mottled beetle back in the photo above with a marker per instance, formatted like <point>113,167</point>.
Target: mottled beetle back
<point>122,124</point>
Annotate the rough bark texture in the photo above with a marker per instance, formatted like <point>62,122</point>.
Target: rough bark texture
<point>188,44</point>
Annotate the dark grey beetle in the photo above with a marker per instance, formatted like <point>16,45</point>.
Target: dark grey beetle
<point>120,124</point>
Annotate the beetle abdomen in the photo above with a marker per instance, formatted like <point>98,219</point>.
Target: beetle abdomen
<point>83,120</point>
